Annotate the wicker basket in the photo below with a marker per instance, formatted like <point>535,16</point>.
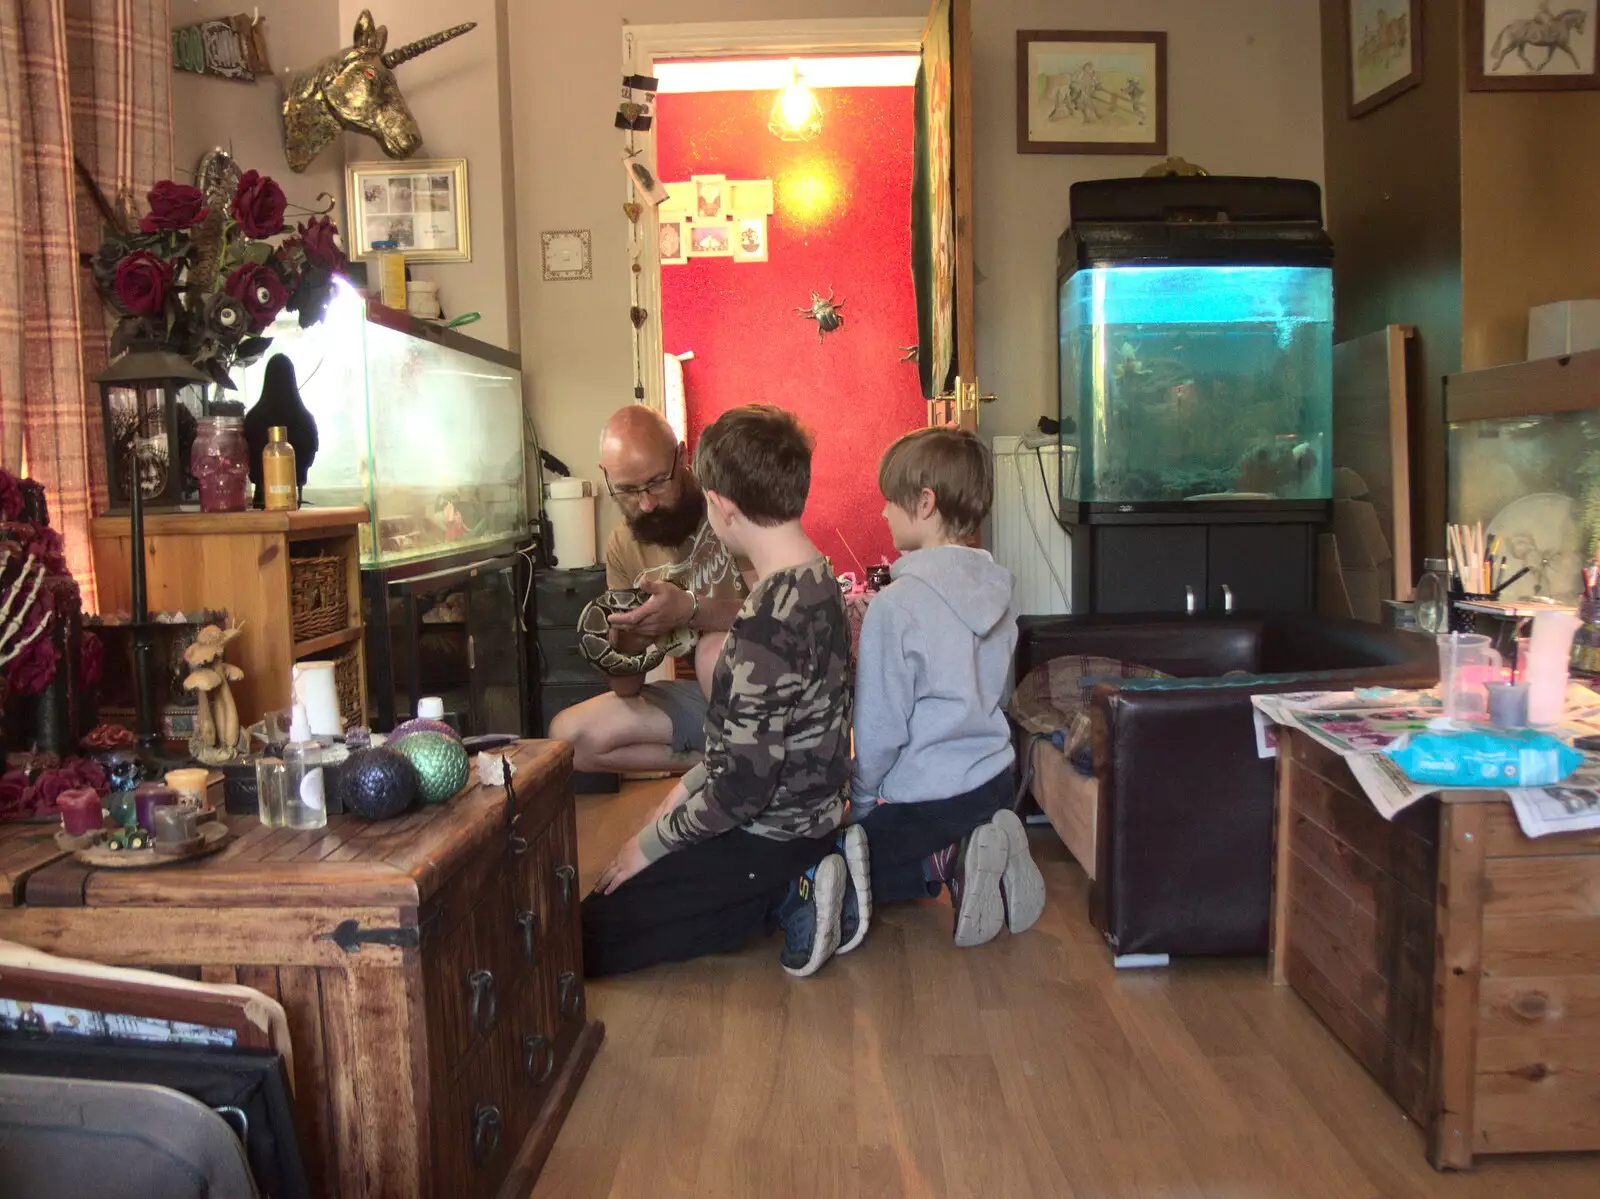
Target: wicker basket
<point>317,595</point>
<point>347,681</point>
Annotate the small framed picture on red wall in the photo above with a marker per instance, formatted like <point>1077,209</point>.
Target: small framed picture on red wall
<point>674,242</point>
<point>710,197</point>
<point>750,239</point>
<point>710,239</point>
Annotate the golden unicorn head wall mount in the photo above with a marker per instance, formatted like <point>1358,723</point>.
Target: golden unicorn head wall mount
<point>355,89</point>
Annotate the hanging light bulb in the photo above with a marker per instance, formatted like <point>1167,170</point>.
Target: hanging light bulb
<point>796,115</point>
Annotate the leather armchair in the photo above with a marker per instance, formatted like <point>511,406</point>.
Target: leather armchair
<point>1183,831</point>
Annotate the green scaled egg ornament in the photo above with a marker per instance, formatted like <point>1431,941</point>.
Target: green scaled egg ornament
<point>441,764</point>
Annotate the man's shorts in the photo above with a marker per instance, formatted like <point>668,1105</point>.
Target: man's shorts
<point>685,705</point>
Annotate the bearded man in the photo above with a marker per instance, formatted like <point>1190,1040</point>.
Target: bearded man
<point>664,545</point>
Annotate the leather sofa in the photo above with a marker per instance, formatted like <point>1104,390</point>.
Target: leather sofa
<point>1182,830</point>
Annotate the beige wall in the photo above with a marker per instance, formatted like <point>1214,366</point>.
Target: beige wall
<point>209,112</point>
<point>1246,98</point>
<point>1529,179</point>
<point>456,92</point>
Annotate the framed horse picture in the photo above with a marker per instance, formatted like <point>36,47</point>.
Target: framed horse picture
<point>1384,50</point>
<point>1531,45</point>
<point>1091,92</point>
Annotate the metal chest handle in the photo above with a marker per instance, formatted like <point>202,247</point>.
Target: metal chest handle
<point>486,1129</point>
<point>526,920</point>
<point>482,983</point>
<point>568,876</point>
<point>532,1046</point>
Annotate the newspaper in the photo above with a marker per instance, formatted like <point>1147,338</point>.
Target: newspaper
<point>1360,725</point>
<point>1572,807</point>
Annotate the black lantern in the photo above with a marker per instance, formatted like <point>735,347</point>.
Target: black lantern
<point>150,406</point>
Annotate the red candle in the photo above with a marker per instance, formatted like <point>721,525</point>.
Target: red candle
<point>80,811</point>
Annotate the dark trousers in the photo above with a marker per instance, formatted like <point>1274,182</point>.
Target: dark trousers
<point>901,835</point>
<point>712,897</point>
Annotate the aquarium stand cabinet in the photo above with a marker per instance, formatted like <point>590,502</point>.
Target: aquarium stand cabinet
<point>1261,561</point>
<point>450,626</point>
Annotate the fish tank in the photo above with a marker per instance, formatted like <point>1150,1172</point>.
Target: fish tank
<point>1196,349</point>
<point>422,427</point>
<point>1530,477</point>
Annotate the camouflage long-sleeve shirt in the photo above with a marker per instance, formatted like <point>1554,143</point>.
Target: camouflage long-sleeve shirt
<point>777,757</point>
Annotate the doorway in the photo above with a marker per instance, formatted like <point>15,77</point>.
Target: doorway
<point>784,257</point>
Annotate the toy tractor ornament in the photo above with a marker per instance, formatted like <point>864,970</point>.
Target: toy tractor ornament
<point>355,89</point>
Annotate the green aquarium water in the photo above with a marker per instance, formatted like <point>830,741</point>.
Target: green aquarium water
<point>1196,384</point>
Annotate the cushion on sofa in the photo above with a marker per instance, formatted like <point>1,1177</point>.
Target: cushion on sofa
<point>1054,698</point>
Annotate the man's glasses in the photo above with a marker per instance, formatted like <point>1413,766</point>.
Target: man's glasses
<point>653,489</point>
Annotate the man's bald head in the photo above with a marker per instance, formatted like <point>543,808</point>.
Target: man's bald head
<point>636,435</point>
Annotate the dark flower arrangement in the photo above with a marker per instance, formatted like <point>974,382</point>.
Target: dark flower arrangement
<point>199,275</point>
<point>26,540</point>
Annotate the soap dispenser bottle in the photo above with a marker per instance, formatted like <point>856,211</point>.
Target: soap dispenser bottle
<point>305,804</point>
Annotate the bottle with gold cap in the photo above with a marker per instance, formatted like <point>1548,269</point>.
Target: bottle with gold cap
<point>278,476</point>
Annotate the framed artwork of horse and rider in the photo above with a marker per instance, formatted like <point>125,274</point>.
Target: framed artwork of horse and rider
<point>1384,42</point>
<point>1531,45</point>
<point>1091,92</point>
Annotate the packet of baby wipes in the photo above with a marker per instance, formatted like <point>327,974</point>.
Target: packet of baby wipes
<point>1485,758</point>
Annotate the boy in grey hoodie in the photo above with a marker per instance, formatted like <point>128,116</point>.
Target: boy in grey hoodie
<point>932,773</point>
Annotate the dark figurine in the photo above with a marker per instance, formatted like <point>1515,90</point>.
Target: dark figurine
<point>280,405</point>
<point>825,312</point>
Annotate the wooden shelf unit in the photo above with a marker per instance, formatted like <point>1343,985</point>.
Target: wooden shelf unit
<point>239,561</point>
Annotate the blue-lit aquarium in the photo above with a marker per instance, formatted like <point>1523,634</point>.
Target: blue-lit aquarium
<point>1195,317</point>
<point>1197,384</point>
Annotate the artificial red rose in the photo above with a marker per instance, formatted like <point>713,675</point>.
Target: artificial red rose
<point>91,660</point>
<point>174,206</point>
<point>320,236</point>
<point>141,282</point>
<point>260,290</point>
<point>10,496</point>
<point>31,671</point>
<point>47,546</point>
<point>258,205</point>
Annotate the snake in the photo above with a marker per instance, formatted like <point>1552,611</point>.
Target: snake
<point>594,636</point>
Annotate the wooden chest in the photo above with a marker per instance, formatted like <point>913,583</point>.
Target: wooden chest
<point>1456,958</point>
<point>429,967</point>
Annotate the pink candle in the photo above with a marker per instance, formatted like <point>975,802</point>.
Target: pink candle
<point>147,798</point>
<point>80,811</point>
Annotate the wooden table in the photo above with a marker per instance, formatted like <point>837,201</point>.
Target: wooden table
<point>429,967</point>
<point>1456,958</point>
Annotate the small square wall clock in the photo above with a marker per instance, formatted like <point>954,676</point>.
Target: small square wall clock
<point>567,255</point>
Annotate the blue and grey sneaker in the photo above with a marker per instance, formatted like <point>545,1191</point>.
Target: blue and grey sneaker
<point>810,917</point>
<point>857,911</point>
<point>972,869</point>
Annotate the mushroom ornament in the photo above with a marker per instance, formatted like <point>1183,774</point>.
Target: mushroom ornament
<point>218,737</point>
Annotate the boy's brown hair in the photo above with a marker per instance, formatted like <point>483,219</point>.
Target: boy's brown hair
<point>759,457</point>
<point>951,463</point>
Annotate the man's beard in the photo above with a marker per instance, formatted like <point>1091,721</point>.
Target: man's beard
<point>670,527</point>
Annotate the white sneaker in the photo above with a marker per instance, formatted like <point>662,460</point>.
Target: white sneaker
<point>1021,884</point>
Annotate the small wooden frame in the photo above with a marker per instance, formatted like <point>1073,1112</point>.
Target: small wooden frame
<point>1501,39</point>
<point>1044,98</point>
<point>1455,957</point>
<point>1403,34</point>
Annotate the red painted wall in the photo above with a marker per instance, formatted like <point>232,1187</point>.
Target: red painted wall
<point>842,219</point>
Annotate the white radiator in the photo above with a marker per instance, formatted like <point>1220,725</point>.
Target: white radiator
<point>1025,537</point>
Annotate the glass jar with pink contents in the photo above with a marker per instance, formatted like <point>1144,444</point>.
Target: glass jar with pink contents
<point>220,462</point>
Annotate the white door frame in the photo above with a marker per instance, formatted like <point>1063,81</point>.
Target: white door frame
<point>642,45</point>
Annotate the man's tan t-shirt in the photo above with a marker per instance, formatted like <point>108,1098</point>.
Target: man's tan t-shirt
<point>702,564</point>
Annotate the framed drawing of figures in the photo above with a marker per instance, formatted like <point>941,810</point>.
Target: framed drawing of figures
<point>1091,92</point>
<point>1383,47</point>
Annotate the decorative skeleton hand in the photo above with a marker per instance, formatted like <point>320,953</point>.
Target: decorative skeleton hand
<point>11,625</point>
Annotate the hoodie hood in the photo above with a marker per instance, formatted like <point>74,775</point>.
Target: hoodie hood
<point>970,582</point>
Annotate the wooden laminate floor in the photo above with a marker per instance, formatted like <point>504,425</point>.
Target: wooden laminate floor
<point>1027,1067</point>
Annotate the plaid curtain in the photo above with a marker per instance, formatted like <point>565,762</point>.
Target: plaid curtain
<point>84,78</point>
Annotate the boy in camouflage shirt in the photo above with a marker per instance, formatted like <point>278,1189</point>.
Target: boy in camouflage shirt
<point>744,842</point>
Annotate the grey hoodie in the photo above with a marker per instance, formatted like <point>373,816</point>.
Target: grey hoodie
<point>931,678</point>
